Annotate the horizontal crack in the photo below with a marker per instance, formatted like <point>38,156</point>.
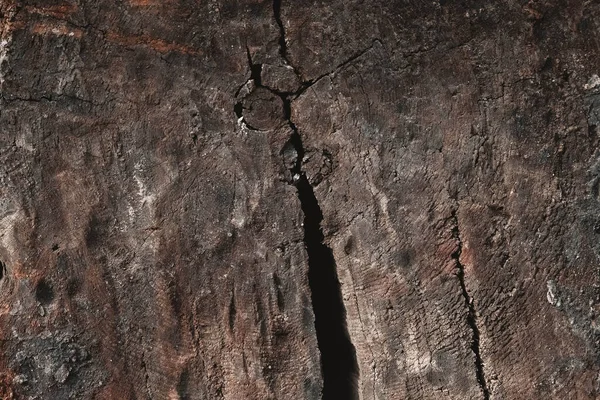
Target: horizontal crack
<point>48,98</point>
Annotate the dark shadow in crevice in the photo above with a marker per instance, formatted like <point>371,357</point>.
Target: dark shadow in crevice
<point>44,293</point>
<point>339,365</point>
<point>338,355</point>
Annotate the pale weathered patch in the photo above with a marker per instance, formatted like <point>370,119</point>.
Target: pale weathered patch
<point>593,83</point>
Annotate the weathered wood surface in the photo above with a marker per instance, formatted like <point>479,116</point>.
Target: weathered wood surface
<point>271,200</point>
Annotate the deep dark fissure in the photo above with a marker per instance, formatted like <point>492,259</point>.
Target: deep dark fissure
<point>282,43</point>
<point>339,365</point>
<point>471,314</point>
<point>338,356</point>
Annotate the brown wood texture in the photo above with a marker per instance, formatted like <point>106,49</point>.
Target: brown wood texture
<point>299,199</point>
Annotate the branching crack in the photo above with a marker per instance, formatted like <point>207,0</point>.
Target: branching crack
<point>308,83</point>
<point>472,314</point>
<point>256,80</point>
<point>283,52</point>
<point>339,366</point>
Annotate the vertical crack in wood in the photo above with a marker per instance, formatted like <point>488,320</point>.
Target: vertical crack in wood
<point>339,365</point>
<point>145,371</point>
<point>471,312</point>
<point>338,355</point>
<point>282,43</point>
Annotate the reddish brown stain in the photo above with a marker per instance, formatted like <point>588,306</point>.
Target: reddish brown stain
<point>159,45</point>
<point>56,29</point>
<point>62,29</point>
<point>61,11</point>
<point>6,391</point>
